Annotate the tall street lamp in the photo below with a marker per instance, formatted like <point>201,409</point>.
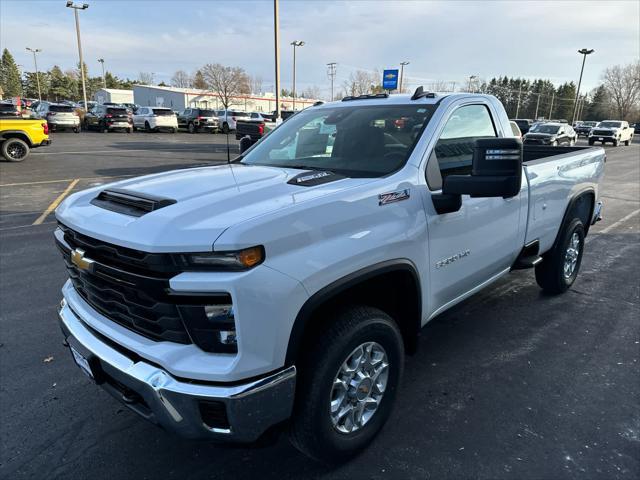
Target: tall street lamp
<point>276,42</point>
<point>104,79</point>
<point>471,79</point>
<point>295,43</point>
<point>331,71</point>
<point>35,61</point>
<point>584,52</point>
<point>75,7</point>
<point>402,64</point>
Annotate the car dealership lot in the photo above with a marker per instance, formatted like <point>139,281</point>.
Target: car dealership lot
<point>512,384</point>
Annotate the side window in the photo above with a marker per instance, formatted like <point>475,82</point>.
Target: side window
<point>453,153</point>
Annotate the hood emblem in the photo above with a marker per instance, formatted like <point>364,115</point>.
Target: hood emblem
<point>80,261</point>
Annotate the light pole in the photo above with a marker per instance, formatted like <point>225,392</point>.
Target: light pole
<point>471,78</point>
<point>276,38</point>
<point>402,64</point>
<point>104,79</point>
<point>584,52</point>
<point>331,71</point>
<point>35,62</point>
<point>295,43</point>
<point>75,7</point>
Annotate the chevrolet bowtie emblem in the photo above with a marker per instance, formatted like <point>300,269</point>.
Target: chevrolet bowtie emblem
<point>80,261</point>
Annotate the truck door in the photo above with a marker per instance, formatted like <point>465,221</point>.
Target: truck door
<point>473,245</point>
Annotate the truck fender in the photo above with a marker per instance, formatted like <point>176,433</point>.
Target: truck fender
<point>583,204</point>
<point>409,321</point>
<point>5,134</point>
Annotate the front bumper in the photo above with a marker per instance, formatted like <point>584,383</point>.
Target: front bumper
<point>237,412</point>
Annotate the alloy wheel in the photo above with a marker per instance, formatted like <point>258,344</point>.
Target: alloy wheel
<point>571,255</point>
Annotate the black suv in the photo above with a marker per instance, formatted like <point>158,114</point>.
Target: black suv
<point>524,124</point>
<point>105,118</point>
<point>199,119</point>
<point>8,110</point>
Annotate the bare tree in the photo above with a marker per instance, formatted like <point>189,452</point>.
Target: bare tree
<point>623,86</point>
<point>312,92</point>
<point>226,82</point>
<point>256,84</point>
<point>181,79</point>
<point>361,82</point>
<point>145,78</point>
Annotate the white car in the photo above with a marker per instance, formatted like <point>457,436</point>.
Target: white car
<point>153,119</point>
<point>228,119</point>
<point>219,301</point>
<point>614,131</point>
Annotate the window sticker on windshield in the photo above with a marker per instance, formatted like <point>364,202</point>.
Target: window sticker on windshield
<point>422,110</point>
<point>327,129</point>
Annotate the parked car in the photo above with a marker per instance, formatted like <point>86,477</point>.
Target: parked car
<point>255,126</point>
<point>612,131</point>
<point>228,118</point>
<point>515,129</point>
<point>551,133</point>
<point>90,104</point>
<point>105,119</point>
<point>524,124</point>
<point>284,289</point>
<point>153,119</point>
<point>584,128</point>
<point>198,120</point>
<point>59,116</point>
<point>636,128</point>
<point>18,136</point>
<point>9,110</point>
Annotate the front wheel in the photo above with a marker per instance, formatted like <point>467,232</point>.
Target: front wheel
<point>225,128</point>
<point>76,130</point>
<point>627,142</point>
<point>560,266</point>
<point>591,142</point>
<point>616,142</point>
<point>14,150</point>
<point>191,127</point>
<point>347,384</point>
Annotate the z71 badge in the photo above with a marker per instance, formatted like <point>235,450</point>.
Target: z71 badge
<point>392,197</point>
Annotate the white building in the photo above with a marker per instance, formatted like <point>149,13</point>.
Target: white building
<point>113,95</point>
<point>180,98</point>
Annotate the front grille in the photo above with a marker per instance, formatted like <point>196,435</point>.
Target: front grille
<point>127,286</point>
<point>602,133</point>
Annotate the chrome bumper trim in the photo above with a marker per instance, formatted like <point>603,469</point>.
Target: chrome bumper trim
<point>251,407</point>
<point>597,213</point>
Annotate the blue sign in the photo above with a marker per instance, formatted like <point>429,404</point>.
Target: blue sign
<point>390,79</point>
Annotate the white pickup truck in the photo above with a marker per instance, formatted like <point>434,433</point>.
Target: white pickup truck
<point>283,290</point>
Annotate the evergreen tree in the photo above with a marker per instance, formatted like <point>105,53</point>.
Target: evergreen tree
<point>61,86</point>
<point>199,81</point>
<point>9,75</point>
<point>565,101</point>
<point>599,107</point>
<point>30,86</point>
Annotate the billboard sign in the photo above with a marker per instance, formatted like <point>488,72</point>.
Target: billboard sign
<point>390,79</point>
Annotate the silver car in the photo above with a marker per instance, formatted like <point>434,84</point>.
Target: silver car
<point>59,116</point>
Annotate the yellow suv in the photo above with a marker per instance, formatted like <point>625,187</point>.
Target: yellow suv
<point>18,136</point>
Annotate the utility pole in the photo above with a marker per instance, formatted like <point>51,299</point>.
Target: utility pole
<point>471,78</point>
<point>553,94</point>
<point>295,43</point>
<point>535,117</point>
<point>519,94</point>
<point>75,7</point>
<point>331,71</point>
<point>584,52</point>
<point>402,65</point>
<point>104,79</point>
<point>276,35</point>
<point>35,62</point>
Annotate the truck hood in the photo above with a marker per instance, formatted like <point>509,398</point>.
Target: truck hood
<point>208,200</point>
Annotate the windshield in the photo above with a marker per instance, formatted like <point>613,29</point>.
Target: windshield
<point>589,124</point>
<point>208,113</point>
<point>355,141</point>
<point>7,107</point>
<point>610,124</point>
<point>60,108</point>
<point>162,111</point>
<point>542,128</point>
<point>239,114</point>
<point>117,111</point>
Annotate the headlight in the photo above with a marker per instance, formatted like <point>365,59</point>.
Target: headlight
<point>235,261</point>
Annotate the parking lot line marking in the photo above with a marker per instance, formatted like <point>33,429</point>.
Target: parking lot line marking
<point>4,229</point>
<point>55,203</point>
<point>115,150</point>
<point>620,222</point>
<point>23,184</point>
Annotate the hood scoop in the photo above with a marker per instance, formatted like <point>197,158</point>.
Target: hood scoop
<point>130,203</point>
<point>311,179</point>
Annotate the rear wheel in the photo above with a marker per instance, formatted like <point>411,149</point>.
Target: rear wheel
<point>76,129</point>
<point>560,266</point>
<point>627,142</point>
<point>347,384</point>
<point>147,127</point>
<point>616,142</point>
<point>191,127</point>
<point>14,150</point>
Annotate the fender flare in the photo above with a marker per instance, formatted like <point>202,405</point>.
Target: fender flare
<point>570,206</point>
<point>21,134</point>
<point>303,319</point>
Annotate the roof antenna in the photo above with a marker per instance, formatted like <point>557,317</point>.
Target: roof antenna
<point>418,93</point>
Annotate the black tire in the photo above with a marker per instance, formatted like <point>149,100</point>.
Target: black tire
<point>591,142</point>
<point>192,128</point>
<point>312,430</point>
<point>14,150</point>
<point>147,127</point>
<point>103,128</point>
<point>550,273</point>
<point>76,130</point>
<point>130,130</point>
<point>225,127</point>
<point>616,143</point>
<point>627,142</point>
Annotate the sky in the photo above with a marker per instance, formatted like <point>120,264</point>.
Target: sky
<point>442,40</point>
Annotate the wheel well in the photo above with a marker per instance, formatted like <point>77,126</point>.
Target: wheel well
<point>394,290</point>
<point>22,136</point>
<point>582,208</point>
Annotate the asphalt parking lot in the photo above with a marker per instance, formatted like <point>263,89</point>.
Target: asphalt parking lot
<point>510,384</point>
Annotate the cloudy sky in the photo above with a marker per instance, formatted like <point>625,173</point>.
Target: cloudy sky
<point>445,40</point>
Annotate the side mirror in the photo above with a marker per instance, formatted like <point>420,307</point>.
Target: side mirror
<point>245,143</point>
<point>496,172</point>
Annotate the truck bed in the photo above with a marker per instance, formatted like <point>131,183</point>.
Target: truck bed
<point>555,175</point>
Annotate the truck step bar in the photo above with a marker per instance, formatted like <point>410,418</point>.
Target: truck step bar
<point>528,257</point>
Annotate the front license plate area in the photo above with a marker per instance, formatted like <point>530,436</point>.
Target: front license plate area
<point>82,362</point>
